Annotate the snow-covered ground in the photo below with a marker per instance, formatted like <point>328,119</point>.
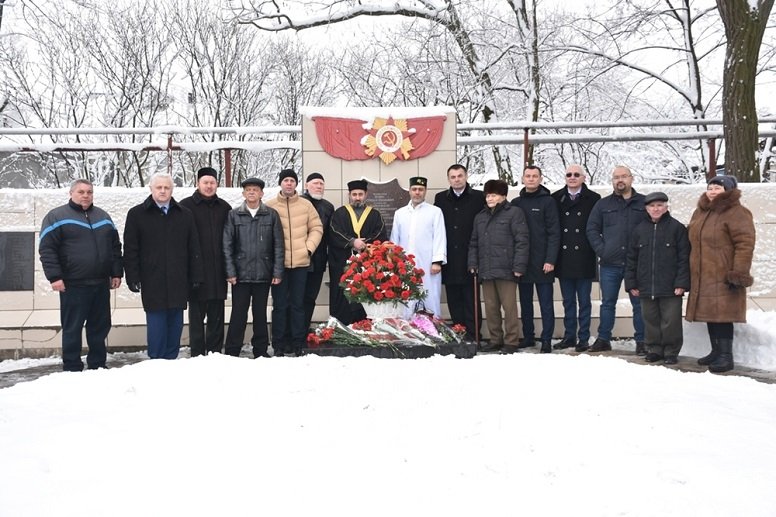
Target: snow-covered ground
<point>527,434</point>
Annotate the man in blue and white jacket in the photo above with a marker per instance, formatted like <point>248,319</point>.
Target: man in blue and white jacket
<point>80,252</point>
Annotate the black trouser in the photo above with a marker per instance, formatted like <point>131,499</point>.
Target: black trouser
<point>206,341</point>
<point>460,303</point>
<point>311,290</point>
<point>288,309</point>
<point>90,305</point>
<point>255,295</point>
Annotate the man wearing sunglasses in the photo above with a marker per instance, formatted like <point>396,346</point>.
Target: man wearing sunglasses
<point>575,268</point>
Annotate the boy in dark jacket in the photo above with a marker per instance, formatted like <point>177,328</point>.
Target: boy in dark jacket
<point>658,272</point>
<point>498,253</point>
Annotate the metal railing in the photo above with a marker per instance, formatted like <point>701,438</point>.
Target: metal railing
<point>514,133</point>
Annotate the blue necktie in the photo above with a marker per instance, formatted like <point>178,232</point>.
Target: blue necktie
<point>164,210</point>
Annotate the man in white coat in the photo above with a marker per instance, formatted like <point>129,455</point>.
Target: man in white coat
<point>419,228</point>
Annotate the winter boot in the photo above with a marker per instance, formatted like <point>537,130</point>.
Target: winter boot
<point>707,360</point>
<point>724,361</point>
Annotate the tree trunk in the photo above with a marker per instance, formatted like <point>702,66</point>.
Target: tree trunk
<point>744,29</point>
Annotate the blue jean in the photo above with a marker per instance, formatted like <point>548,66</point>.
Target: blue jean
<point>544,294</point>
<point>288,309</point>
<point>163,333</point>
<point>576,293</point>
<point>611,278</point>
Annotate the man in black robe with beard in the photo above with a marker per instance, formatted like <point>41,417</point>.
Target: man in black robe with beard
<point>353,226</point>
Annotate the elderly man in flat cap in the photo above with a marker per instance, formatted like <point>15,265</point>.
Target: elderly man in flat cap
<point>353,226</point>
<point>207,301</point>
<point>419,228</point>
<point>253,253</point>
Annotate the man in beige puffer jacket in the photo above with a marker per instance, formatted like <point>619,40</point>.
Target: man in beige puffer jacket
<point>302,233</point>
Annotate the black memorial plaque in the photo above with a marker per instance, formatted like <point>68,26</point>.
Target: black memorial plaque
<point>17,261</point>
<point>387,198</point>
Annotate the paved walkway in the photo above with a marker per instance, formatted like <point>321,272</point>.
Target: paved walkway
<point>119,359</point>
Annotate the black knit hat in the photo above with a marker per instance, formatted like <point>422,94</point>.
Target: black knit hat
<point>499,187</point>
<point>315,176</point>
<point>727,182</point>
<point>287,173</point>
<point>207,171</point>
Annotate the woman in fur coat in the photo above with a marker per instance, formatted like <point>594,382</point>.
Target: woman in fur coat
<point>722,237</point>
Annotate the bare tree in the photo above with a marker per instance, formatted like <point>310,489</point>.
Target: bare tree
<point>274,16</point>
<point>226,70</point>
<point>744,26</point>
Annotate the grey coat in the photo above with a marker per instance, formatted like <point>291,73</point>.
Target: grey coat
<point>253,246</point>
<point>499,245</point>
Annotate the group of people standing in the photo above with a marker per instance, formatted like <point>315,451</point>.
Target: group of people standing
<point>626,237</point>
<point>185,254</point>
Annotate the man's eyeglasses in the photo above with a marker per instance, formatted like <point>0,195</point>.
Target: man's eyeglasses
<point>573,175</point>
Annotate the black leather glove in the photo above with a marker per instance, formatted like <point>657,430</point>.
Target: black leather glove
<point>134,287</point>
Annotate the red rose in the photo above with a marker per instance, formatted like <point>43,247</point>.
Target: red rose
<point>378,296</point>
<point>390,295</point>
<point>405,295</point>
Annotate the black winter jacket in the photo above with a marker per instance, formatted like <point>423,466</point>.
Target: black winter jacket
<point>325,210</point>
<point>541,214</point>
<point>209,217</point>
<point>253,246</point>
<point>81,247</point>
<point>576,258</point>
<point>459,213</point>
<point>499,245</point>
<point>162,253</point>
<point>610,225</point>
<point>658,258</point>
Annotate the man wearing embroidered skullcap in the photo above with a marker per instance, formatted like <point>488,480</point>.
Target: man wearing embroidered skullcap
<point>419,228</point>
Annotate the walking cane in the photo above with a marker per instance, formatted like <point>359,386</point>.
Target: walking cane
<point>476,310</point>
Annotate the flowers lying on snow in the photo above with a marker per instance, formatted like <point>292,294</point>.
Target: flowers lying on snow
<point>422,330</point>
<point>435,328</point>
<point>334,332</point>
<point>382,273</point>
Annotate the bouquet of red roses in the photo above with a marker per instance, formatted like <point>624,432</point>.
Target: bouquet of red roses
<point>381,273</point>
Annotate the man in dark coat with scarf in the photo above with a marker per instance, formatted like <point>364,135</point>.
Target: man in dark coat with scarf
<point>460,204</point>
<point>576,265</point>
<point>541,214</point>
<point>353,227</point>
<point>162,259</point>
<point>210,213</point>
